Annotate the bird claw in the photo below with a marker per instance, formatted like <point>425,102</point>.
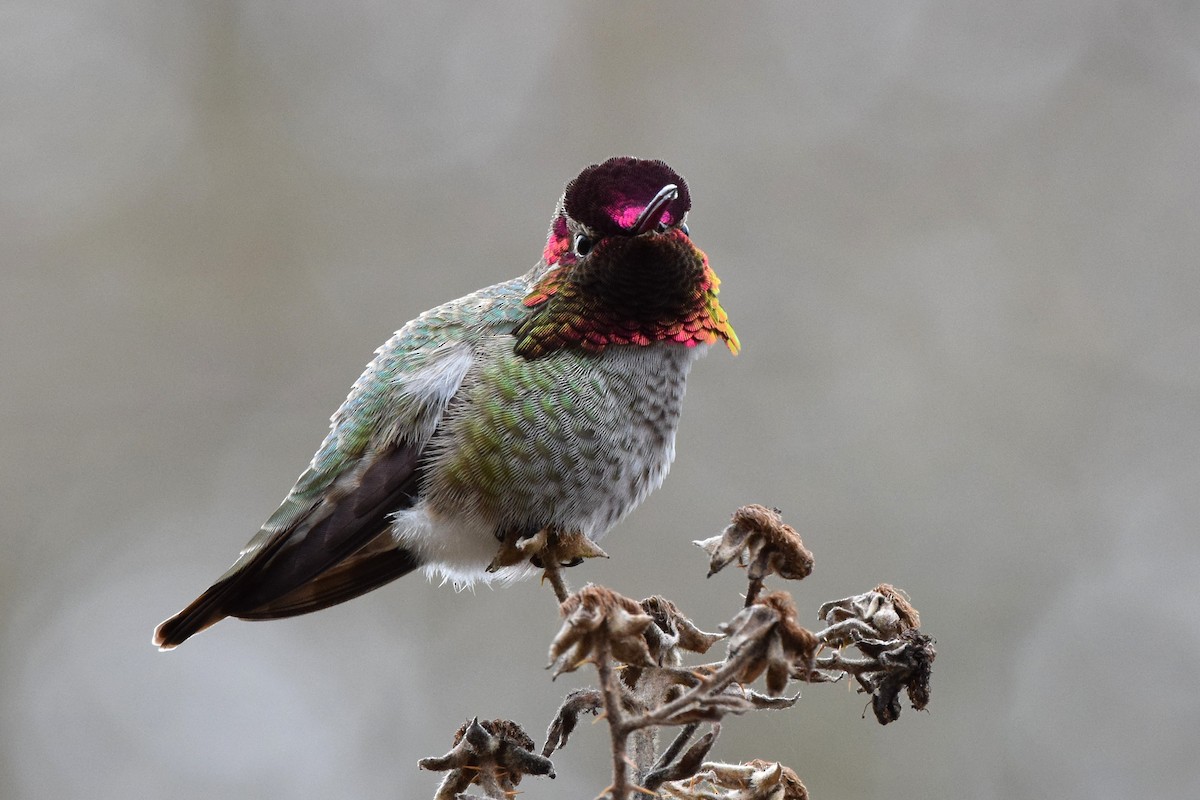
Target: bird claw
<point>546,546</point>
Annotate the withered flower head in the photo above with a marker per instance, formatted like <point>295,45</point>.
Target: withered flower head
<point>758,537</point>
<point>672,631</point>
<point>596,618</point>
<point>769,639</point>
<point>882,613</point>
<point>754,780</point>
<point>491,753</point>
<point>907,665</point>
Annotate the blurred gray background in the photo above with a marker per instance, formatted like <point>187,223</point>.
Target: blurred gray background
<point>958,241</point>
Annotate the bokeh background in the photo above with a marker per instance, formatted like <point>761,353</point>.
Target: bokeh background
<point>958,241</point>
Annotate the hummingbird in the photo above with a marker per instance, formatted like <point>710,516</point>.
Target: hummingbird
<point>548,400</point>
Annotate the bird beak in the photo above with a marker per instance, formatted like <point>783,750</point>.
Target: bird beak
<point>651,215</point>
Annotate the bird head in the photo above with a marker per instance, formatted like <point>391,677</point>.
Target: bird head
<point>620,268</point>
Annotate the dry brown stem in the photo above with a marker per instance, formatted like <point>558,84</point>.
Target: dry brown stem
<point>639,650</point>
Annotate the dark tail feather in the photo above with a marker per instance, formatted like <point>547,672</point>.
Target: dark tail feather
<point>359,574</point>
<point>204,611</point>
<point>344,536</point>
<point>211,607</point>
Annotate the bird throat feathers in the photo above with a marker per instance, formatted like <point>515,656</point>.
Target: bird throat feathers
<point>627,291</point>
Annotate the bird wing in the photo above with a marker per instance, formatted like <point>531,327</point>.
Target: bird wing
<point>329,540</point>
<point>368,467</point>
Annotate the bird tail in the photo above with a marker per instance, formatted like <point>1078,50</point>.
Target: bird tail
<point>201,613</point>
<point>366,570</point>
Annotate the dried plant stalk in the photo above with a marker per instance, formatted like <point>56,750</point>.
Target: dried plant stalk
<point>639,649</point>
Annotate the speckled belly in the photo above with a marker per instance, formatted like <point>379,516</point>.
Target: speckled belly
<point>570,440</point>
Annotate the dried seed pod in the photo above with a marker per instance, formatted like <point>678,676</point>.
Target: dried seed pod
<point>754,780</point>
<point>768,636</point>
<point>758,538</point>
<point>594,617</point>
<point>882,613</point>
<point>495,754</point>
<point>673,631</point>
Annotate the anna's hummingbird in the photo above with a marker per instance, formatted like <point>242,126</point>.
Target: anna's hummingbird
<point>550,400</point>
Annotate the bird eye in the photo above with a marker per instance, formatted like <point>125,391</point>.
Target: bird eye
<point>683,227</point>
<point>583,245</point>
